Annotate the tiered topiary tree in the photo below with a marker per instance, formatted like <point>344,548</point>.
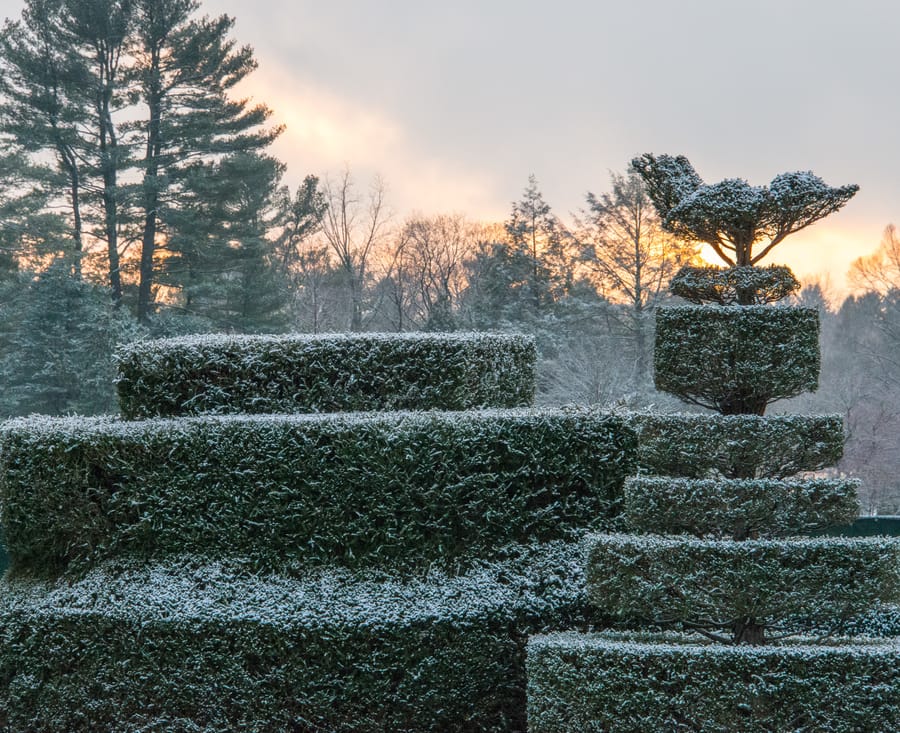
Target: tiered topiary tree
<point>715,559</point>
<point>218,561</point>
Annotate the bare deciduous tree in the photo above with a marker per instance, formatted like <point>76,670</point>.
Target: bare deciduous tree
<point>632,258</point>
<point>355,227</point>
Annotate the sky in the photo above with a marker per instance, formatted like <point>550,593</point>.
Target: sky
<point>455,103</point>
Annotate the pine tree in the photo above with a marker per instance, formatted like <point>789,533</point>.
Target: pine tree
<point>185,69</point>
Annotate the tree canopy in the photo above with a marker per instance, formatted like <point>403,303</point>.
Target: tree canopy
<point>732,216</point>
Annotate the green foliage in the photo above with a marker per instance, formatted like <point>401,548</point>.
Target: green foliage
<point>401,490</point>
<point>737,508</point>
<point>734,285</point>
<point>61,335</point>
<point>583,683</point>
<point>732,216</point>
<point>219,259</point>
<point>736,446</point>
<point>736,360</point>
<point>327,373</point>
<point>202,648</point>
<point>782,585</point>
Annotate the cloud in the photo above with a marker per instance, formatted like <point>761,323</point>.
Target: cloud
<point>325,130</point>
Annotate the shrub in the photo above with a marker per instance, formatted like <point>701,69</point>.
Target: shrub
<point>203,648</point>
<point>399,490</point>
<point>738,508</point>
<point>737,359</point>
<point>728,286</point>
<point>325,373</point>
<point>636,684</point>
<point>736,446</point>
<point>711,584</point>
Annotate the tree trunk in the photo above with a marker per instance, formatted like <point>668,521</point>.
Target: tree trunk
<point>151,190</point>
<point>747,631</point>
<point>109,162</point>
<point>743,402</point>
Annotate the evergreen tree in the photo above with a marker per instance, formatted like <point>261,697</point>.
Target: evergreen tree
<point>37,114</point>
<point>184,71</point>
<point>220,262</point>
<point>59,337</point>
<point>110,86</point>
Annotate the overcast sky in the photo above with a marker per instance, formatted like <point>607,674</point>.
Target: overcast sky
<point>455,103</point>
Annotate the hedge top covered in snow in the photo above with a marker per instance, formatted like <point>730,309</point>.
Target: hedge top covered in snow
<point>325,373</point>
<point>730,286</point>
<point>399,490</point>
<point>669,643</point>
<point>535,577</point>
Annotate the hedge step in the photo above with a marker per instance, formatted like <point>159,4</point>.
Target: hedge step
<point>325,373</point>
<point>200,648</point>
<point>782,584</point>
<point>618,683</point>
<point>396,490</point>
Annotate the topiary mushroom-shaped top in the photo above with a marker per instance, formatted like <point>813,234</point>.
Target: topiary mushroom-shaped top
<point>732,216</point>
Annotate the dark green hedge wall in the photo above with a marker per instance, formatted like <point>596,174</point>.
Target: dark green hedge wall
<point>736,446</point>
<point>205,649</point>
<point>736,359</point>
<point>782,584</point>
<point>584,683</point>
<point>396,490</point>
<point>738,508</point>
<point>325,373</point>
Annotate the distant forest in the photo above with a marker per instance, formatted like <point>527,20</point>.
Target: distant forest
<point>138,199</point>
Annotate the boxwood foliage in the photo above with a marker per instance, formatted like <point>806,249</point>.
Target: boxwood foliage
<point>621,684</point>
<point>736,446</point>
<point>737,508</point>
<point>730,285</point>
<point>204,648</point>
<point>736,359</point>
<point>712,583</point>
<point>398,490</point>
<point>325,373</point>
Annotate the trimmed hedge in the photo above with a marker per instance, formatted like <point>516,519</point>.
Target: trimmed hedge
<point>738,508</point>
<point>325,373</point>
<point>637,684</point>
<point>730,285</point>
<point>736,446</point>
<point>201,648</point>
<point>736,359</point>
<point>712,583</point>
<point>396,490</point>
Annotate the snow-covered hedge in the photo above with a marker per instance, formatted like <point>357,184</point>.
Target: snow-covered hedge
<point>713,583</point>
<point>736,359</point>
<point>738,508</point>
<point>399,490</point>
<point>583,683</point>
<point>202,648</point>
<point>729,285</point>
<point>325,373</point>
<point>736,446</point>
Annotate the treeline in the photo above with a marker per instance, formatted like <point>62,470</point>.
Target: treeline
<point>138,198</point>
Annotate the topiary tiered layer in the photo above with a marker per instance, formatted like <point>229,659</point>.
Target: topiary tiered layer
<point>715,553</point>
<point>353,571</point>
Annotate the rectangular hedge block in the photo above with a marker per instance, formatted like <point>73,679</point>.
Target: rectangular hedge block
<point>738,508</point>
<point>197,648</point>
<point>736,446</point>
<point>395,490</point>
<point>325,373</point>
<point>736,359</point>
<point>780,584</point>
<point>593,683</point>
